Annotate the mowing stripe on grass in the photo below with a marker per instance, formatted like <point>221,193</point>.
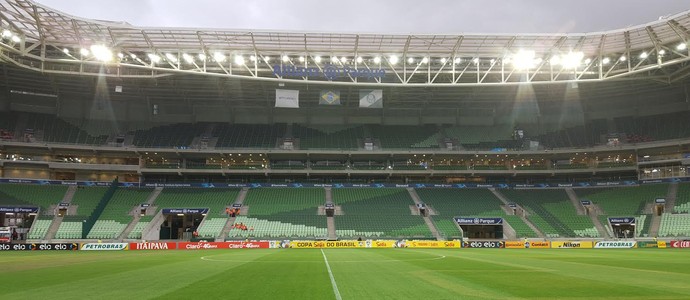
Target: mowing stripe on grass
<point>330,274</point>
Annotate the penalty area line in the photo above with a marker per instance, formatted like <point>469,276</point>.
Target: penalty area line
<point>330,274</point>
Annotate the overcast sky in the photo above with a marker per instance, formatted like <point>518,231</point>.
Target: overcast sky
<point>394,16</point>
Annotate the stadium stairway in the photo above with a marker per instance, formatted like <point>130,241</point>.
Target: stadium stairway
<point>137,216</point>
<point>592,214</point>
<point>55,225</point>
<point>668,207</point>
<point>330,221</point>
<point>522,217</point>
<point>228,224</point>
<point>427,219</point>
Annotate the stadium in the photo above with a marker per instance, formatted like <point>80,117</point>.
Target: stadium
<point>144,162</point>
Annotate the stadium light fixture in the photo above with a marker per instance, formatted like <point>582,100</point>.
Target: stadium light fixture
<point>662,52</point>
<point>457,60</point>
<point>343,59</point>
<point>587,61</point>
<point>377,60</point>
<point>252,58</point>
<point>239,59</point>
<point>334,59</point>
<point>267,59</point>
<point>643,55</point>
<point>425,60</point>
<point>301,59</point>
<point>120,55</point>
<point>187,58</point>
<point>476,60</point>
<point>317,59</point>
<point>572,59</point>
<point>623,58</point>
<point>393,59</point>
<point>681,46</point>
<point>133,56</point>
<point>286,58</point>
<point>410,60</point>
<point>154,58</point>
<point>16,39</point>
<point>524,59</point>
<point>65,50</point>
<point>171,58</point>
<point>6,34</point>
<point>606,60</point>
<point>220,57</point>
<point>84,52</point>
<point>359,59</point>
<point>443,60</point>
<point>202,56</point>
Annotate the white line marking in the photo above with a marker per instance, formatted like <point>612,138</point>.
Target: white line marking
<point>330,274</point>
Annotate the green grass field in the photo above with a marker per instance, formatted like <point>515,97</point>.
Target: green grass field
<point>357,274</point>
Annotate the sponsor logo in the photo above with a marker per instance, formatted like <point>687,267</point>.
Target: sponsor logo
<point>152,246</point>
<point>615,244</point>
<point>539,245</point>
<point>573,244</point>
<point>680,244</point>
<point>200,245</point>
<point>105,246</point>
<point>484,244</point>
<point>516,244</point>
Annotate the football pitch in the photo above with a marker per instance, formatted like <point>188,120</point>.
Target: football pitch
<point>348,274</point>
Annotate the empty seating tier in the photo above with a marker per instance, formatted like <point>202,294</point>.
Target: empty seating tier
<point>553,213</point>
<point>381,212</point>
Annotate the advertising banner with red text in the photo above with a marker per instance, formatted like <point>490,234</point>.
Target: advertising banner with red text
<point>678,244</point>
<point>223,245</point>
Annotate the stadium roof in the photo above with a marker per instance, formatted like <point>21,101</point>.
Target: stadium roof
<point>40,38</point>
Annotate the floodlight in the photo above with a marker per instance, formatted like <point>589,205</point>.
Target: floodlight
<point>120,55</point>
<point>252,58</point>
<point>65,50</point>
<point>133,56</point>
<point>425,60</point>
<point>188,58</point>
<point>377,60</point>
<point>301,59</point>
<point>681,46</point>
<point>6,33</point>
<point>286,58</point>
<point>239,59</point>
<point>359,59</point>
<point>393,59</point>
<point>606,60</point>
<point>154,58</point>
<point>410,60</point>
<point>16,39</point>
<point>317,59</point>
<point>334,59</point>
<point>662,52</point>
<point>202,56</point>
<point>572,59</point>
<point>102,53</point>
<point>587,61</point>
<point>343,59</point>
<point>443,60</point>
<point>84,52</point>
<point>622,58</point>
<point>476,60</point>
<point>220,57</point>
<point>643,55</point>
<point>172,58</point>
<point>524,59</point>
<point>457,60</point>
